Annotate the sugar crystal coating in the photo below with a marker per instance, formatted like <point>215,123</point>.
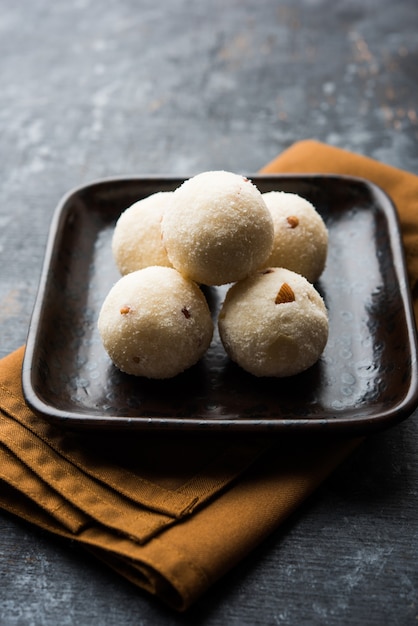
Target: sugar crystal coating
<point>136,241</point>
<point>217,228</point>
<point>273,323</point>
<point>155,323</point>
<point>300,235</point>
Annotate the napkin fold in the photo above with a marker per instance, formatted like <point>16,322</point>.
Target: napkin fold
<point>173,513</point>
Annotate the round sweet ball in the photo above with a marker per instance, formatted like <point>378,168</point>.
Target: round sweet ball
<point>155,323</point>
<point>136,241</point>
<point>300,235</point>
<point>274,323</point>
<point>217,228</point>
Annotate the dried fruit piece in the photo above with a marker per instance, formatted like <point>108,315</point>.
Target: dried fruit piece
<point>285,294</point>
<point>293,221</point>
<point>125,310</point>
<point>186,313</point>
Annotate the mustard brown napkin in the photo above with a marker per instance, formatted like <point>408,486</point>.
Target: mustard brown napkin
<point>173,513</point>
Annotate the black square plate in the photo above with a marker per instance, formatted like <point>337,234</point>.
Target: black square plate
<point>366,378</point>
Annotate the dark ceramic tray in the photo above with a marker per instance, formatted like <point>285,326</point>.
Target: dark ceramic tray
<point>365,380</point>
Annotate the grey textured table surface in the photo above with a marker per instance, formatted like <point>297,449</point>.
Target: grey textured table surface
<point>95,88</point>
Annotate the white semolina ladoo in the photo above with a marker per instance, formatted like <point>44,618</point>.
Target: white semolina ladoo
<point>155,323</point>
<point>300,235</point>
<point>136,241</point>
<point>273,323</point>
<point>217,228</point>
